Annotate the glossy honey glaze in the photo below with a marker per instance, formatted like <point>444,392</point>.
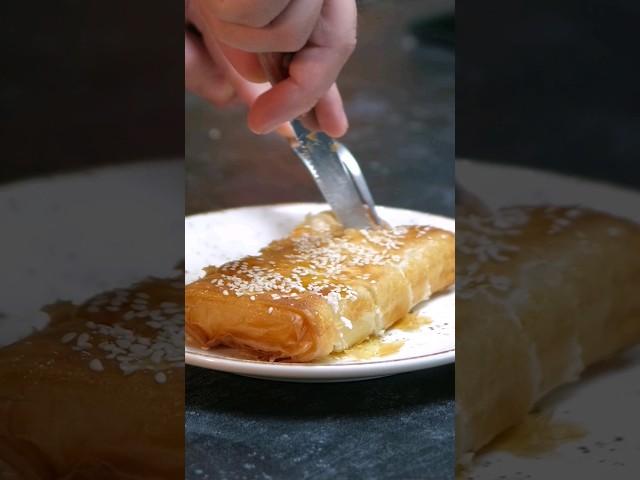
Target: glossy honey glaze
<point>411,323</point>
<point>537,434</point>
<point>369,349</point>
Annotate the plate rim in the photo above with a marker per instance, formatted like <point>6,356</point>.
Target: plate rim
<point>309,371</point>
<point>312,371</point>
<point>561,176</point>
<point>312,204</point>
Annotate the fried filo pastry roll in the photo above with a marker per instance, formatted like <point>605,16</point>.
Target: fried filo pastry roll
<point>542,293</point>
<point>99,392</point>
<point>323,289</point>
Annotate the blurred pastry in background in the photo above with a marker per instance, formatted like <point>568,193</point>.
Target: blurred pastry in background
<point>99,392</point>
<point>542,293</point>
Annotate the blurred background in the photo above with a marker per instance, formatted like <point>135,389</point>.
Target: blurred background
<point>551,85</point>
<point>89,83</point>
<point>91,177</point>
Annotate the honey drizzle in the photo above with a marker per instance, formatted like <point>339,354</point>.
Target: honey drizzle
<point>538,433</point>
<point>375,347</point>
<point>411,322</point>
<point>369,349</point>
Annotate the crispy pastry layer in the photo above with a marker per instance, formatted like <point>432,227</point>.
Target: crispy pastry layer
<point>99,393</point>
<point>541,294</point>
<point>320,290</point>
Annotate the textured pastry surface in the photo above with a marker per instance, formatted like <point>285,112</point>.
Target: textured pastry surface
<point>320,290</point>
<point>98,393</point>
<point>542,293</point>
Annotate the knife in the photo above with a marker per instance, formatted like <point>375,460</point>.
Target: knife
<point>333,168</point>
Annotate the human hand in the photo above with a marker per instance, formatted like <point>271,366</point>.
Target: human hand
<point>221,65</point>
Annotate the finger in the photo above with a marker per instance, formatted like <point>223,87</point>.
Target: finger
<point>310,121</point>
<point>289,32</point>
<point>337,26</point>
<point>246,91</point>
<point>311,74</point>
<point>201,75</point>
<point>312,71</point>
<point>249,13</point>
<point>246,64</point>
<point>330,113</point>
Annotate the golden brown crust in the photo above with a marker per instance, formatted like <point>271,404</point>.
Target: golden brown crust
<point>541,294</point>
<point>322,289</point>
<point>70,410</point>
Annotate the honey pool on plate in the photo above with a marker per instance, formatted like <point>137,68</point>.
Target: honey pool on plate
<point>538,433</point>
<point>378,347</point>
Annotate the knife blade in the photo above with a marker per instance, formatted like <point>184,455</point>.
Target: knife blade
<point>319,153</point>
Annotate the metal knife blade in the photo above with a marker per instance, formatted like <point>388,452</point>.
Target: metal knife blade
<point>319,153</point>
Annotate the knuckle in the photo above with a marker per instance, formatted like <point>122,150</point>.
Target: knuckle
<point>349,45</point>
<point>297,43</point>
<point>224,11</point>
<point>291,40</point>
<point>239,13</point>
<point>254,19</point>
<point>216,7</point>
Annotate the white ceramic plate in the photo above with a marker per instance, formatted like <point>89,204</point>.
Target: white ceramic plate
<point>612,442</point>
<point>42,265</point>
<point>217,237</point>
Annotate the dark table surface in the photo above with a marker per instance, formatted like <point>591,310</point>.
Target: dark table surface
<point>399,95</point>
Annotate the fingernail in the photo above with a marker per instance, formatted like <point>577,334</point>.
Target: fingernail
<point>267,128</point>
<point>285,130</point>
<point>260,130</point>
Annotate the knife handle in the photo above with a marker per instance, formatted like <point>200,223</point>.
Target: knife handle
<point>276,67</point>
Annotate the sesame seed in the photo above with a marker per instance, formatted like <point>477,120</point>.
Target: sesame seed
<point>128,369</point>
<point>321,262</point>
<point>138,349</point>
<point>156,357</point>
<point>135,348</point>
<point>96,365</point>
<point>67,337</point>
